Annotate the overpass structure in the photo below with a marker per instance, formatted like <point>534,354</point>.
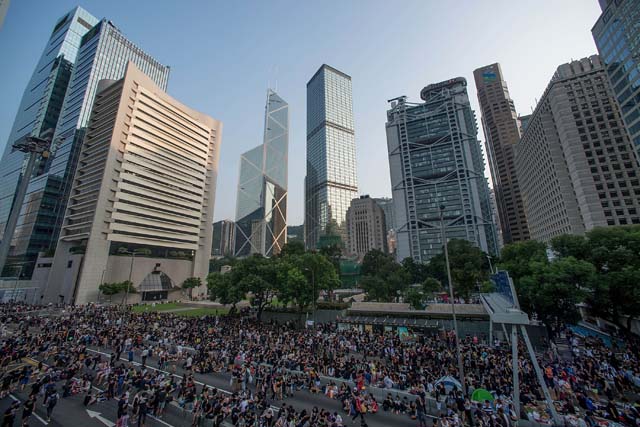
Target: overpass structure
<point>503,308</point>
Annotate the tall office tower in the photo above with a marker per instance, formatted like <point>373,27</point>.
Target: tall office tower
<point>618,40</point>
<point>502,133</point>
<point>38,116</point>
<point>435,160</point>
<point>575,162</point>
<point>223,238</point>
<point>386,203</point>
<point>366,227</point>
<point>495,217</point>
<point>261,210</point>
<point>145,186</point>
<point>524,123</point>
<point>331,182</point>
<point>102,53</point>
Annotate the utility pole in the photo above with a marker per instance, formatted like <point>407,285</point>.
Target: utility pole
<point>453,306</point>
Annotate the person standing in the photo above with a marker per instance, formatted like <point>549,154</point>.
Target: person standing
<point>27,410</point>
<point>52,401</point>
<point>10,414</point>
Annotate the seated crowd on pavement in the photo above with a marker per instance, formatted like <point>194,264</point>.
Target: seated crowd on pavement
<point>89,350</point>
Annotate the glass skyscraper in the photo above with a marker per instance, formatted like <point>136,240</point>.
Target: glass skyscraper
<point>38,116</point>
<point>617,36</point>
<point>261,211</point>
<point>435,160</point>
<point>331,182</point>
<point>100,51</point>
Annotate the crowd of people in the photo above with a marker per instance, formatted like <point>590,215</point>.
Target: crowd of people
<point>266,363</point>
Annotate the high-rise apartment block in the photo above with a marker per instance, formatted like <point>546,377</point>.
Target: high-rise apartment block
<point>261,212</point>
<point>436,161</point>
<point>223,238</point>
<point>617,36</point>
<point>81,52</point>
<point>575,163</point>
<point>366,227</point>
<point>331,182</point>
<point>502,132</point>
<point>141,202</point>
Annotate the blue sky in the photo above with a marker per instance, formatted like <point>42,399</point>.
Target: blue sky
<point>223,54</point>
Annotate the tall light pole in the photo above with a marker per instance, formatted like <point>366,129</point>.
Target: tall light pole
<point>126,292</point>
<point>453,306</point>
<point>15,286</point>
<point>35,147</point>
<point>313,287</point>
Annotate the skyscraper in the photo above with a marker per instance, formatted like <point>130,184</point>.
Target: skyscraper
<point>331,182</point>
<point>102,52</point>
<point>366,227</point>
<point>435,160</point>
<point>145,186</point>
<point>38,115</point>
<point>575,162</point>
<point>223,238</point>
<point>502,132</point>
<point>261,211</point>
<point>386,204</point>
<point>618,40</point>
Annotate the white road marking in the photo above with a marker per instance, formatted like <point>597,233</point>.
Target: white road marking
<point>103,420</point>
<point>275,408</point>
<point>32,413</point>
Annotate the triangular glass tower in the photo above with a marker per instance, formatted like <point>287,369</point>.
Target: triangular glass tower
<point>261,211</point>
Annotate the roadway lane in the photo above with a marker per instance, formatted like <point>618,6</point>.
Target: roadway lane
<point>302,399</point>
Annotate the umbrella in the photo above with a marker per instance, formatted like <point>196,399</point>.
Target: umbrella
<point>449,383</point>
<point>480,395</point>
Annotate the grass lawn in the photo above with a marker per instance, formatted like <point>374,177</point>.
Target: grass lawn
<point>184,310</point>
<point>159,307</point>
<point>199,312</point>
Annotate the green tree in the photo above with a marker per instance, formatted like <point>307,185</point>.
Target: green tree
<point>570,245</point>
<point>222,288</point>
<point>190,283</point>
<point>415,298</point>
<point>431,285</point>
<point>256,275</point>
<point>295,247</point>
<point>516,258</point>
<point>417,271</point>
<point>469,267</point>
<point>382,277</point>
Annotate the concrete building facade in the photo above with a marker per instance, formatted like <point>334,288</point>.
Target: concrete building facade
<point>502,133</point>
<point>575,163</point>
<point>366,227</point>
<point>141,202</point>
<point>435,161</point>
<point>97,50</point>
<point>386,203</point>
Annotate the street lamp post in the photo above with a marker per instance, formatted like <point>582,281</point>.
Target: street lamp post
<point>126,292</point>
<point>35,147</point>
<point>15,286</point>
<point>313,287</point>
<point>453,306</point>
